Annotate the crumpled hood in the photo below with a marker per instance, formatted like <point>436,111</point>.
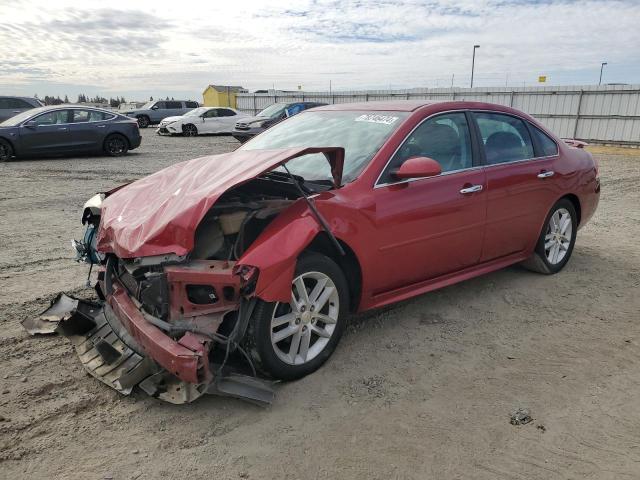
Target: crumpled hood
<point>158,214</point>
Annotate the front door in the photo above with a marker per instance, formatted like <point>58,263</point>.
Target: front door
<point>433,226</point>
<point>519,192</point>
<point>47,133</point>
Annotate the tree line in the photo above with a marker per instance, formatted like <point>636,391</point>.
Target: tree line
<point>82,98</point>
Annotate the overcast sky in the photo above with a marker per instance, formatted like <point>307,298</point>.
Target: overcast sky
<point>176,48</point>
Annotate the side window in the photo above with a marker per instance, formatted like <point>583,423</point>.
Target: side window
<point>295,108</point>
<point>18,103</point>
<point>225,112</point>
<point>444,138</point>
<point>161,105</point>
<point>546,143</point>
<point>52,118</point>
<point>192,104</point>
<point>174,105</point>
<point>80,116</point>
<point>505,138</point>
<point>213,113</point>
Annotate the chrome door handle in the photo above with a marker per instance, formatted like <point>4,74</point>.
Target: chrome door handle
<point>471,189</point>
<point>101,126</point>
<point>63,128</point>
<point>546,174</point>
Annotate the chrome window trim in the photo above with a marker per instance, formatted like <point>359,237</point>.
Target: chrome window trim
<point>114,115</point>
<point>476,167</point>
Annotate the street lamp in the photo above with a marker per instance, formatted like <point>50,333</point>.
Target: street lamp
<point>601,68</point>
<point>473,62</point>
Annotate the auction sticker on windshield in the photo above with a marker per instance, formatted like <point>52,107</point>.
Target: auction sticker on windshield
<point>387,120</point>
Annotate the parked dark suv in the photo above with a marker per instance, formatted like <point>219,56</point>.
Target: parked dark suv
<point>250,127</point>
<point>11,106</point>
<point>153,113</point>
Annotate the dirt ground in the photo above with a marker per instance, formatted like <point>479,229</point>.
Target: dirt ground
<point>422,390</point>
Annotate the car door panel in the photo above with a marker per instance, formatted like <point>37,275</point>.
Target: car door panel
<point>427,228</point>
<point>50,135</point>
<point>517,197</point>
<point>87,134</point>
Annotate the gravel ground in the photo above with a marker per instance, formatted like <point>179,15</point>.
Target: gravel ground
<point>420,390</point>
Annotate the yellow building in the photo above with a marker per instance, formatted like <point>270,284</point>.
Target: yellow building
<point>220,96</point>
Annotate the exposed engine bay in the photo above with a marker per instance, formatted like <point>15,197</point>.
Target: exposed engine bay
<point>200,302</point>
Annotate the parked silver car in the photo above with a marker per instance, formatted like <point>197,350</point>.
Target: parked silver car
<point>153,112</point>
<point>11,106</point>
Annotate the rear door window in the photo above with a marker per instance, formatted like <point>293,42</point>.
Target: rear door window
<point>505,138</point>
<point>192,105</point>
<point>174,105</point>
<point>225,112</point>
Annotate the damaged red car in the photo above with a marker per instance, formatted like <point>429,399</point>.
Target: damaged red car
<point>262,253</point>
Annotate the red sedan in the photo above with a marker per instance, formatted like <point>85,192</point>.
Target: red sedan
<point>339,209</point>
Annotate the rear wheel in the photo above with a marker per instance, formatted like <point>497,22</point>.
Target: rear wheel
<point>556,240</point>
<point>115,145</point>
<point>143,121</point>
<point>189,130</point>
<point>291,340</point>
<point>6,151</point>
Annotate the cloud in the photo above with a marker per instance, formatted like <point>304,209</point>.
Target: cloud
<point>152,48</point>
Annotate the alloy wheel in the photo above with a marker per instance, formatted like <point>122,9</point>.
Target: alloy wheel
<point>116,146</point>
<point>5,152</point>
<point>189,131</point>
<point>301,329</point>
<point>558,236</point>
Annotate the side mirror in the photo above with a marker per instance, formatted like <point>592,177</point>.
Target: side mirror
<point>30,124</point>
<point>418,167</point>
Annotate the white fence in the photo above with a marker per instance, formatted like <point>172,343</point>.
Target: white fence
<point>600,114</point>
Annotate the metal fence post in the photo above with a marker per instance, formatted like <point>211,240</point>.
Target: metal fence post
<point>255,108</point>
<point>575,127</point>
<point>511,98</point>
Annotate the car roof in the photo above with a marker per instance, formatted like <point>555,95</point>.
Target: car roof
<point>18,96</point>
<point>64,106</point>
<point>382,105</point>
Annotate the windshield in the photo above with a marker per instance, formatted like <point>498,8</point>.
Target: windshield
<point>21,117</point>
<point>361,134</point>
<point>274,110</point>
<point>196,112</point>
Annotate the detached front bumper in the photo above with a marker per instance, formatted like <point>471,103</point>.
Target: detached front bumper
<point>119,344</point>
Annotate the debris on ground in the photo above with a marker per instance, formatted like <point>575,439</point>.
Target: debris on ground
<point>541,427</point>
<point>521,417</point>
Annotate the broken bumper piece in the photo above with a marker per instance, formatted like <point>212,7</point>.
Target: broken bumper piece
<point>140,354</point>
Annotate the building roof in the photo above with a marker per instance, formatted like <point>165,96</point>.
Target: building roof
<point>223,88</point>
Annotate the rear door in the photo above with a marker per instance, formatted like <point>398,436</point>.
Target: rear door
<point>88,129</point>
<point>520,184</point>
<point>226,120</point>
<point>47,133</point>
<point>430,227</point>
<point>175,108</point>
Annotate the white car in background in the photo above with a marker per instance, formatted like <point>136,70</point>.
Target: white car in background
<point>202,120</point>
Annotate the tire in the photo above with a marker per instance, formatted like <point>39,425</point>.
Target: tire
<point>6,151</point>
<point>143,121</point>
<point>555,244</point>
<point>115,145</point>
<point>189,130</point>
<point>274,357</point>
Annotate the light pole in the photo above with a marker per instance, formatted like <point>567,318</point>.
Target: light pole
<point>473,62</point>
<point>601,68</point>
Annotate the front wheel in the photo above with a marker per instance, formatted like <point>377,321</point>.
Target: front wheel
<point>291,340</point>
<point>556,240</point>
<point>189,130</point>
<point>143,121</point>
